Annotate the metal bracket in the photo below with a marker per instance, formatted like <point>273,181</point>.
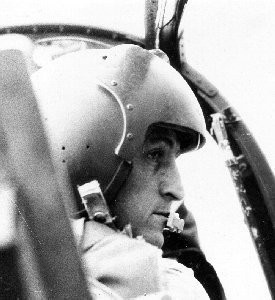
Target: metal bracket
<point>218,130</point>
<point>236,165</point>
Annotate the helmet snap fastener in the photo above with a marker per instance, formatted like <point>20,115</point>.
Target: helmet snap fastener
<point>130,136</point>
<point>113,83</point>
<point>130,106</point>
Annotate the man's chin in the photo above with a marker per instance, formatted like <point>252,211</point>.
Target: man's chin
<point>153,237</point>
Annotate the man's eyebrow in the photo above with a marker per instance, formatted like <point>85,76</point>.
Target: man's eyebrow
<point>162,138</point>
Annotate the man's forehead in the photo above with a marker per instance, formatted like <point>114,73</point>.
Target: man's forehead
<point>186,138</point>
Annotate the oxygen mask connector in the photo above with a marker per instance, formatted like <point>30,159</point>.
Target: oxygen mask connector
<point>174,223</point>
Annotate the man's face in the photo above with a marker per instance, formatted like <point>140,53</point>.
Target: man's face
<point>154,183</point>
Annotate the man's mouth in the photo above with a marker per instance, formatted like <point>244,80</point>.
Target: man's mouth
<point>164,214</point>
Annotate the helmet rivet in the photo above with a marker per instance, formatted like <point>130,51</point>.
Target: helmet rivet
<point>113,83</point>
<point>130,106</point>
<point>130,136</point>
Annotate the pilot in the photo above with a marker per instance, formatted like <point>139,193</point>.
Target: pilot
<point>117,120</point>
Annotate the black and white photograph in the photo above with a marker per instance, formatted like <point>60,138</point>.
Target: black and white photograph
<point>136,149</point>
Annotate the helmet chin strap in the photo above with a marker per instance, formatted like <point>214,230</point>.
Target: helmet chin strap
<point>117,181</point>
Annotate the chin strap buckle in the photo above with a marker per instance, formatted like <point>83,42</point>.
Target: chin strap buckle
<point>95,203</point>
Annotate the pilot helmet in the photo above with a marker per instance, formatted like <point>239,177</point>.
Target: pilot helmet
<point>98,104</point>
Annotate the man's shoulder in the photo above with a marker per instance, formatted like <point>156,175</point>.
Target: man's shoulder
<point>126,265</point>
<point>99,235</point>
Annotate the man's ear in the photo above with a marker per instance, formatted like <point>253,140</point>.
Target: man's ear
<point>160,54</point>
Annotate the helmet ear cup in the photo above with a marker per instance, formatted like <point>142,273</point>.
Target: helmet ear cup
<point>84,125</point>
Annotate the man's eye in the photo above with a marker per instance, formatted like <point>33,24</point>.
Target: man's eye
<point>155,155</point>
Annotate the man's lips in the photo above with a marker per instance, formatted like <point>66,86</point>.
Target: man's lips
<point>160,213</point>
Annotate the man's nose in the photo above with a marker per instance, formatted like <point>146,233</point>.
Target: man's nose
<point>171,187</point>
